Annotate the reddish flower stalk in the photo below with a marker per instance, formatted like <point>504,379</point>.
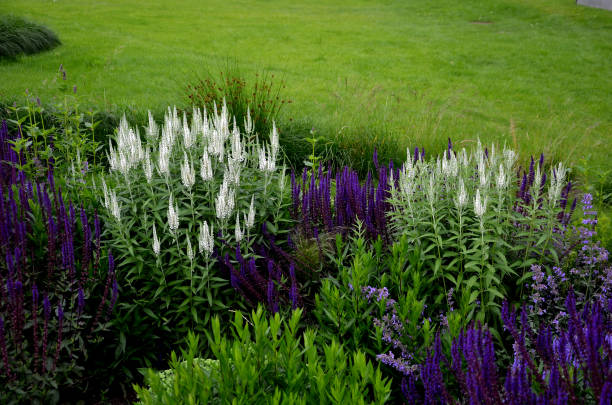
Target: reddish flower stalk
<point>47,313</point>
<point>4,350</point>
<point>35,322</point>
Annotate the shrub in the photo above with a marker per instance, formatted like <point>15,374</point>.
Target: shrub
<point>170,223</point>
<point>255,105</point>
<point>19,36</point>
<point>267,362</point>
<point>55,300</point>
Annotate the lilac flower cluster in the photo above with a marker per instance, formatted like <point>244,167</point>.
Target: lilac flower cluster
<point>314,208</point>
<point>392,328</point>
<point>591,252</point>
<point>547,369</point>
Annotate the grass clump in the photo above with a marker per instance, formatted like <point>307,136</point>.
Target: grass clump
<point>19,36</point>
<point>255,99</point>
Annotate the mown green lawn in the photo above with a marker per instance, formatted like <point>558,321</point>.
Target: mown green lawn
<point>425,69</point>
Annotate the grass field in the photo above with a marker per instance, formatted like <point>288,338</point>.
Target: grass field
<point>535,74</point>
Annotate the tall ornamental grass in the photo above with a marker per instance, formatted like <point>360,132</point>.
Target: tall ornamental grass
<point>19,36</point>
<point>177,202</point>
<point>255,100</point>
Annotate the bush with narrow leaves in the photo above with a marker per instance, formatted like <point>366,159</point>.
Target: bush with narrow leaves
<point>267,361</point>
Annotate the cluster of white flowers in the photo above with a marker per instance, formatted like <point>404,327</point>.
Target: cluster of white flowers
<point>206,171</point>
<point>457,172</point>
<point>110,202</point>
<point>268,154</point>
<point>173,216</point>
<point>187,173</point>
<point>224,203</point>
<point>462,196</point>
<point>557,179</point>
<point>480,205</point>
<point>129,150</point>
<point>206,242</point>
<point>216,141</point>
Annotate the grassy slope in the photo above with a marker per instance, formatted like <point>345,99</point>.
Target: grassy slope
<point>422,67</point>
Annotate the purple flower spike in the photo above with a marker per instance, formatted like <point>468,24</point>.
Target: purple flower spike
<point>114,294</point>
<point>81,301</point>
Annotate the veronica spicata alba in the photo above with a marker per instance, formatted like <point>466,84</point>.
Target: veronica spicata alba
<point>480,205</point>
<point>205,241</point>
<point>238,230</point>
<point>173,218</point>
<point>206,167</point>
<point>224,204</point>
<point>187,172</point>
<point>250,219</point>
<point>156,243</point>
<point>190,253</point>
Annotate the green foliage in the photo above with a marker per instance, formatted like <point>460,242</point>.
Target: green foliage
<point>48,358</point>
<point>267,361</point>
<point>19,36</point>
<point>170,223</point>
<point>59,134</point>
<point>257,99</point>
<point>340,310</point>
<point>476,238</point>
<point>375,292</point>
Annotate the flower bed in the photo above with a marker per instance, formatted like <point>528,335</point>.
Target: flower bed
<point>276,286</point>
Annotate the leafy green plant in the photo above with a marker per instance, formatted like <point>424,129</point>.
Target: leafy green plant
<point>19,36</point>
<point>477,229</point>
<point>171,225</point>
<point>379,302</point>
<point>267,361</point>
<point>57,134</point>
<point>340,310</point>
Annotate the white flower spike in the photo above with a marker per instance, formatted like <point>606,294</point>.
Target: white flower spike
<point>156,243</point>
<point>173,218</point>
<point>238,231</point>
<point>205,241</point>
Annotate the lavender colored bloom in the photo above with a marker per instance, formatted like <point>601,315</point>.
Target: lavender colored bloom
<point>81,301</point>
<point>293,292</point>
<point>114,295</point>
